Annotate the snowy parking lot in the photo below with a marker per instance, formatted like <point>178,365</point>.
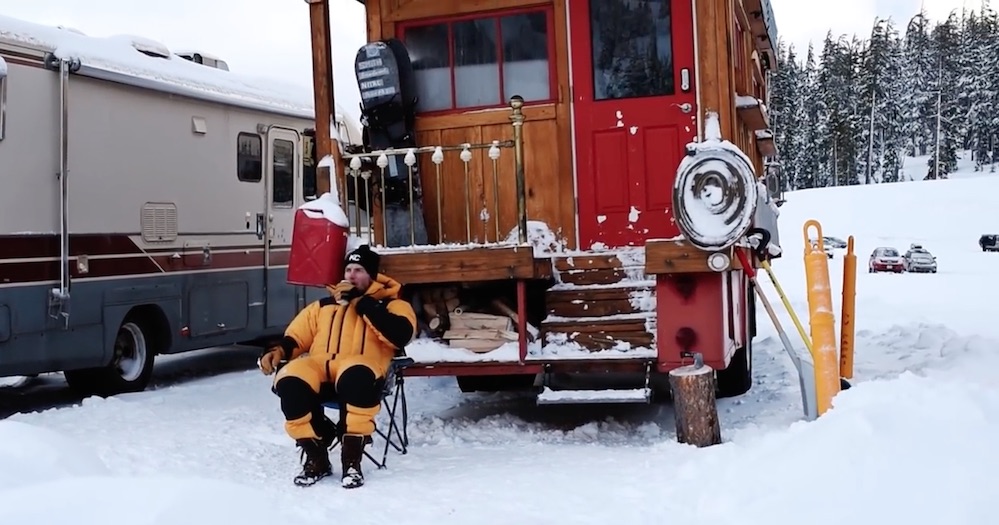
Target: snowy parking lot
<point>912,442</point>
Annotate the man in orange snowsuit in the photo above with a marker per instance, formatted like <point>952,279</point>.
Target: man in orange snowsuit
<point>340,347</point>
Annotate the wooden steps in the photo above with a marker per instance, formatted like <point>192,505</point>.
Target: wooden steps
<point>599,334</point>
<point>584,301</point>
<point>601,301</point>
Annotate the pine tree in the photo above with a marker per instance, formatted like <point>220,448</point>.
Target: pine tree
<point>853,112</point>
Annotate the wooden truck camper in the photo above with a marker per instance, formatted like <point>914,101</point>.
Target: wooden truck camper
<point>568,209</point>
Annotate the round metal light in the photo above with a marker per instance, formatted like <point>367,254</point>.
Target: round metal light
<point>719,262</point>
<point>714,195</point>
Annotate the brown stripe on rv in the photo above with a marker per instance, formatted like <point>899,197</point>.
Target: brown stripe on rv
<point>37,271</point>
<point>47,245</point>
<point>121,258</point>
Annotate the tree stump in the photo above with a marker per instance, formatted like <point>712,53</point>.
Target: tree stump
<point>694,405</point>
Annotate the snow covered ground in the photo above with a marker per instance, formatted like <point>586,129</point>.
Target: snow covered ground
<point>912,442</point>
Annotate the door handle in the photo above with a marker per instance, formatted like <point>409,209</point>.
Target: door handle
<point>260,226</point>
<point>685,80</point>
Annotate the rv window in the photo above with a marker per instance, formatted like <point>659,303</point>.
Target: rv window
<point>249,160</point>
<point>283,174</point>
<point>459,64</point>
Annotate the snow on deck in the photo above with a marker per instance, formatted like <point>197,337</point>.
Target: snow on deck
<point>427,351</point>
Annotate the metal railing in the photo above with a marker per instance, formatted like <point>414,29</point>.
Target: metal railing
<point>361,167</point>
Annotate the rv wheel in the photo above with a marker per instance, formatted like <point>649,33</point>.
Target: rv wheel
<point>129,370</point>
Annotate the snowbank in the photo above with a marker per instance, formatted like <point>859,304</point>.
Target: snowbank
<point>48,478</point>
<point>908,450</point>
<point>30,454</point>
<point>140,501</point>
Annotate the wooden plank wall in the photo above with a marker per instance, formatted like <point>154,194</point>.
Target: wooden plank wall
<point>547,139</point>
<point>720,79</point>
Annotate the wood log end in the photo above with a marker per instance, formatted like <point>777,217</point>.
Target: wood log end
<point>694,405</point>
<point>691,370</point>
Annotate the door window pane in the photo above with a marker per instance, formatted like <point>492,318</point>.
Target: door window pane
<point>476,68</point>
<point>283,178</point>
<point>632,48</point>
<point>309,162</point>
<point>428,51</point>
<point>525,56</point>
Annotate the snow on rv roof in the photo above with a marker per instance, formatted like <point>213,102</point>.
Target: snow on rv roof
<point>120,56</point>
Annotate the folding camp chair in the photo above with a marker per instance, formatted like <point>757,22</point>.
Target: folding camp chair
<point>394,404</point>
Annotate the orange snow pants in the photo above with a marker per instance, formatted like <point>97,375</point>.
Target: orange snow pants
<point>304,384</point>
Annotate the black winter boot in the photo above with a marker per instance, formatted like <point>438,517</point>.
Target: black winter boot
<point>315,462</point>
<point>353,451</point>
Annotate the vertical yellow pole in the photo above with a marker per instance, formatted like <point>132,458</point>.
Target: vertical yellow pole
<point>847,327</point>
<point>821,319</point>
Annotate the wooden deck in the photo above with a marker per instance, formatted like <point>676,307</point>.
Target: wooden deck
<point>453,264</point>
<point>598,310</point>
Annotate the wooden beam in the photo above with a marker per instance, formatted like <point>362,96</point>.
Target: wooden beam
<point>716,81</point>
<point>498,116</point>
<point>752,114</point>
<point>322,86</point>
<point>740,13</point>
<point>461,265</point>
<point>664,256</point>
<point>415,10</point>
<point>765,143</point>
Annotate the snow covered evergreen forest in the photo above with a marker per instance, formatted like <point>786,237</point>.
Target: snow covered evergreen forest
<point>851,113</point>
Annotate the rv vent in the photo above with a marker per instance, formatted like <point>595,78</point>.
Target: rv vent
<point>144,45</point>
<point>159,222</point>
<point>204,59</point>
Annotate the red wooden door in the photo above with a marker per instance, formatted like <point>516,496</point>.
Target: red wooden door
<point>634,112</point>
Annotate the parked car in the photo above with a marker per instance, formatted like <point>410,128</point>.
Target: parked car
<point>835,242</point>
<point>919,260</point>
<point>989,242</point>
<point>885,259</point>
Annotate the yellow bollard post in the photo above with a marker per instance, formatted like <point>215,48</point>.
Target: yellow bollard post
<point>821,319</point>
<point>847,327</point>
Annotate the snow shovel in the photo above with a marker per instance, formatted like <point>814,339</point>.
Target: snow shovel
<point>805,367</point>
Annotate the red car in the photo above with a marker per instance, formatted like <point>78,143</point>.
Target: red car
<point>885,259</point>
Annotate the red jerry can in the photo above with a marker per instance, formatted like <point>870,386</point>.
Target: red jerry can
<point>318,243</point>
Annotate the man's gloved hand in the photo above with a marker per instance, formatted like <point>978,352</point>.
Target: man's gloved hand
<point>269,362</point>
<point>343,292</point>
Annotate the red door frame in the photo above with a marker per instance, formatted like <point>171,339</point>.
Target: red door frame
<point>624,178</point>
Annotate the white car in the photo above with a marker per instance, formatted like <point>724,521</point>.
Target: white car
<point>919,260</point>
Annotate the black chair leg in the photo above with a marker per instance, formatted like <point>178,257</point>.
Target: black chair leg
<point>397,408</point>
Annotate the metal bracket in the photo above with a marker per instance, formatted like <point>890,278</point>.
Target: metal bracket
<point>58,305</point>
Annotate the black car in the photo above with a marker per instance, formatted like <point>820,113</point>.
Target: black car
<point>989,242</point>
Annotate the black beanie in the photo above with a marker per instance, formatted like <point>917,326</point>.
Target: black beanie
<point>366,258</point>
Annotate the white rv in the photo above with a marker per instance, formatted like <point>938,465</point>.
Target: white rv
<point>146,204</point>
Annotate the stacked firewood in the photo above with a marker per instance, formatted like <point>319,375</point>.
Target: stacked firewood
<point>454,322</point>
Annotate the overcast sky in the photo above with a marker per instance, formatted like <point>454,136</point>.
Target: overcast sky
<point>271,37</point>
